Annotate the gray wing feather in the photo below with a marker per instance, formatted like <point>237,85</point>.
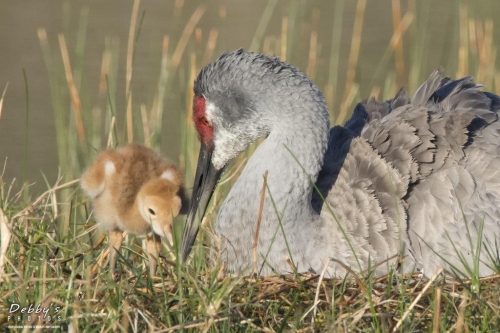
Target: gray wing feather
<point>419,177</point>
<point>424,93</point>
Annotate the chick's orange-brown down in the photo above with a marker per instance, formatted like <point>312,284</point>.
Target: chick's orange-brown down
<point>134,189</point>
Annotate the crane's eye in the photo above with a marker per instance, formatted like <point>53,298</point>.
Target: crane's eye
<point>152,212</point>
<point>204,121</point>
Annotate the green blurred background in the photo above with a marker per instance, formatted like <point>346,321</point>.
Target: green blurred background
<point>74,66</point>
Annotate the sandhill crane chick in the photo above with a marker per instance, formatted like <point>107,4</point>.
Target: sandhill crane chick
<point>134,189</point>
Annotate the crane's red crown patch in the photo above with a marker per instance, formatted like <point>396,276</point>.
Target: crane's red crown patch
<point>205,130</point>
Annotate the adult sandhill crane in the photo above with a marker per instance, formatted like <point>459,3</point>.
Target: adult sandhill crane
<point>418,177</point>
<point>134,189</point>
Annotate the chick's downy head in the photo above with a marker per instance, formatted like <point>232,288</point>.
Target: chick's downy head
<point>159,203</point>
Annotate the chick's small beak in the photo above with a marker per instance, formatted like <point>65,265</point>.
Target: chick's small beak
<point>206,179</point>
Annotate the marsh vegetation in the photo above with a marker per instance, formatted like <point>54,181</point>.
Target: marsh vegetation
<point>52,255</point>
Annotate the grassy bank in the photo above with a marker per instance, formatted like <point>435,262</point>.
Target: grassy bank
<point>53,259</point>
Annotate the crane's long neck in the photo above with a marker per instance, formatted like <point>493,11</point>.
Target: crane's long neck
<point>292,154</point>
<point>298,137</point>
<point>294,150</point>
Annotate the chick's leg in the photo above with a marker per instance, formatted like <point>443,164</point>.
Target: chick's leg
<point>153,246</point>
<point>115,243</point>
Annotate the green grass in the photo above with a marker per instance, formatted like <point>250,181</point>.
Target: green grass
<point>54,256</point>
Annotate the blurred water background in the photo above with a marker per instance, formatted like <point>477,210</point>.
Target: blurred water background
<point>82,75</point>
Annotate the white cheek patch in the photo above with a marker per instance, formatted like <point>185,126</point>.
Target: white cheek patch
<point>210,111</point>
<point>227,147</point>
<point>109,168</point>
<point>168,175</point>
<point>218,160</point>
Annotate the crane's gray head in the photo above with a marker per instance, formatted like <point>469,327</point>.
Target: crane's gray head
<point>237,99</point>
<point>228,94</point>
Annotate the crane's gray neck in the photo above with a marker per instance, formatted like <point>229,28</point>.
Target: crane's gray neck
<point>279,102</point>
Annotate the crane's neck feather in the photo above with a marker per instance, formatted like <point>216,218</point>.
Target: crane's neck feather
<point>292,154</point>
<point>248,96</point>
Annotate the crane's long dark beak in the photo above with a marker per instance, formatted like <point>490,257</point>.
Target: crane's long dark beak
<point>205,180</point>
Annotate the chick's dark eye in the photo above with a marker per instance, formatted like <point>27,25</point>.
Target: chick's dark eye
<point>152,212</point>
